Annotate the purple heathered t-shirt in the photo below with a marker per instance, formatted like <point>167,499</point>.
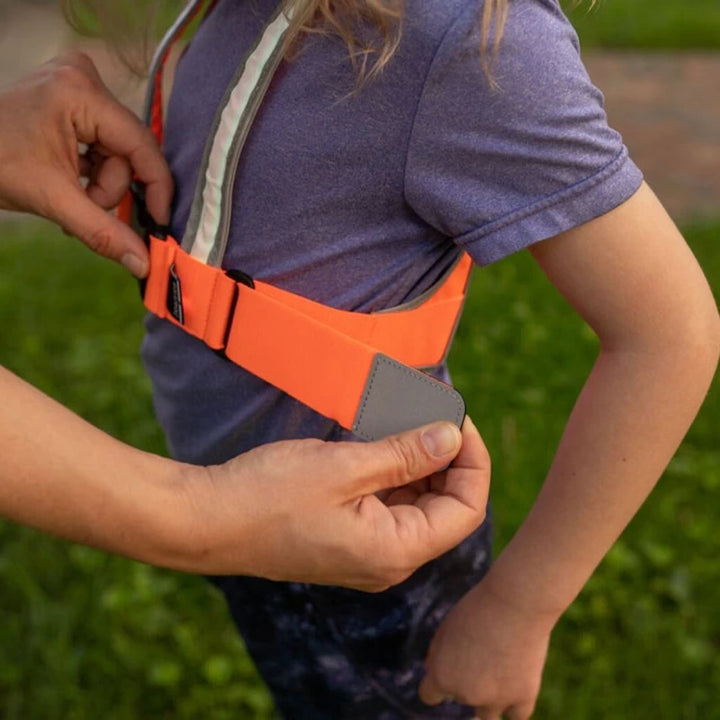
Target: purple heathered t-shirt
<point>361,202</point>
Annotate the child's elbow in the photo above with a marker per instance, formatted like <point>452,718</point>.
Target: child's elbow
<point>710,341</point>
<point>696,338</point>
<point>681,331</point>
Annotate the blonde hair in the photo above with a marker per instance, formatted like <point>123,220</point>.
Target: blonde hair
<point>348,19</point>
<point>344,18</point>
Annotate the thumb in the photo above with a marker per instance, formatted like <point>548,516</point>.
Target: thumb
<point>412,455</point>
<point>101,231</point>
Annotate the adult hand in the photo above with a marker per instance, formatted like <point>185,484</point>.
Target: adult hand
<point>301,510</point>
<point>488,653</point>
<point>309,511</point>
<point>43,118</point>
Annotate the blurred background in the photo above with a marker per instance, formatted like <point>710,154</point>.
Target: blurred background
<point>87,635</point>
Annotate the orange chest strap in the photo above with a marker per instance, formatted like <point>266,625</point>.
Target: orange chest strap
<point>356,368</point>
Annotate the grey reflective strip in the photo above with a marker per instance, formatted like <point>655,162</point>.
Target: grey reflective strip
<point>398,398</point>
<point>420,299</point>
<point>423,297</point>
<point>218,251</point>
<point>165,43</point>
<point>206,233</point>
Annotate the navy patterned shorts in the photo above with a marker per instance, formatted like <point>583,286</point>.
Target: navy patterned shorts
<point>328,653</point>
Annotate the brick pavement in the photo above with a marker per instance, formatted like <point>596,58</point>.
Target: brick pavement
<point>667,106</point>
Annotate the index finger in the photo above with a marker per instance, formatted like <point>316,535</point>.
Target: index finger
<point>468,477</point>
<point>446,518</point>
<point>118,130</point>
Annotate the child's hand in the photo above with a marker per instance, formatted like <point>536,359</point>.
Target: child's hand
<point>488,654</point>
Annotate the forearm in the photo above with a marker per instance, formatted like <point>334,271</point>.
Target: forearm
<point>629,419</point>
<point>64,476</point>
<point>302,510</point>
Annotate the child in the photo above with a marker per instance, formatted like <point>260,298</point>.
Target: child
<point>361,198</point>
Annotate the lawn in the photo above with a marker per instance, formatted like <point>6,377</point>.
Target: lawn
<point>86,635</point>
<point>647,24</point>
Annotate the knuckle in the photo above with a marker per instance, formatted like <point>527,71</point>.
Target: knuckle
<point>399,576</point>
<point>407,459</point>
<point>77,59</point>
<point>392,577</point>
<point>339,459</point>
<point>353,466</point>
<point>393,574</point>
<point>383,576</point>
<point>101,241</point>
<point>150,140</point>
<point>74,72</point>
<point>68,78</point>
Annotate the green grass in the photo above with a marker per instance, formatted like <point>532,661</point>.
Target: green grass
<point>647,24</point>
<point>86,635</point>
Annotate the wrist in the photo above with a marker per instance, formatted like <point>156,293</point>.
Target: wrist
<point>201,528</point>
<point>166,512</point>
<point>154,513</point>
<point>516,598</point>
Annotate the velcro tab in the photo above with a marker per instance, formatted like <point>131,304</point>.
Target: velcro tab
<point>398,398</point>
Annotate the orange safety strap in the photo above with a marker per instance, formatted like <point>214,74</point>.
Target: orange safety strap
<point>319,355</point>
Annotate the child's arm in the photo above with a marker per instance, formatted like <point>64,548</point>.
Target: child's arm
<point>631,276</point>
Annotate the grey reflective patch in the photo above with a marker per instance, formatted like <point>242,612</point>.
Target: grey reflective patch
<point>398,397</point>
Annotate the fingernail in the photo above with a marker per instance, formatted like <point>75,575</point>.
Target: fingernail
<point>136,265</point>
<point>441,439</point>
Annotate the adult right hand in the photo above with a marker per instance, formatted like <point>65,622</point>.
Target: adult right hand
<point>43,118</point>
<point>302,510</point>
<point>311,511</point>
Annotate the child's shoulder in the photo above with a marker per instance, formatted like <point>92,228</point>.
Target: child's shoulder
<point>527,20</point>
<point>433,17</point>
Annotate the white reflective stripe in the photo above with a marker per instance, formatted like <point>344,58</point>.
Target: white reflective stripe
<point>229,125</point>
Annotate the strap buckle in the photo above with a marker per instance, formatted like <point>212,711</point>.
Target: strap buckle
<point>142,216</point>
<point>243,279</point>
<point>143,223</point>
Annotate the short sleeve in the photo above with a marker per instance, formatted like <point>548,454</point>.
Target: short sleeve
<point>500,169</point>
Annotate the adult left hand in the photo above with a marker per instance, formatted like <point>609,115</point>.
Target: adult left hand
<point>43,119</point>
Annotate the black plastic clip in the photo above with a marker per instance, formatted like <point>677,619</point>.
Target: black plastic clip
<point>244,279</point>
<point>143,221</point>
<point>144,218</point>
<point>241,277</point>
